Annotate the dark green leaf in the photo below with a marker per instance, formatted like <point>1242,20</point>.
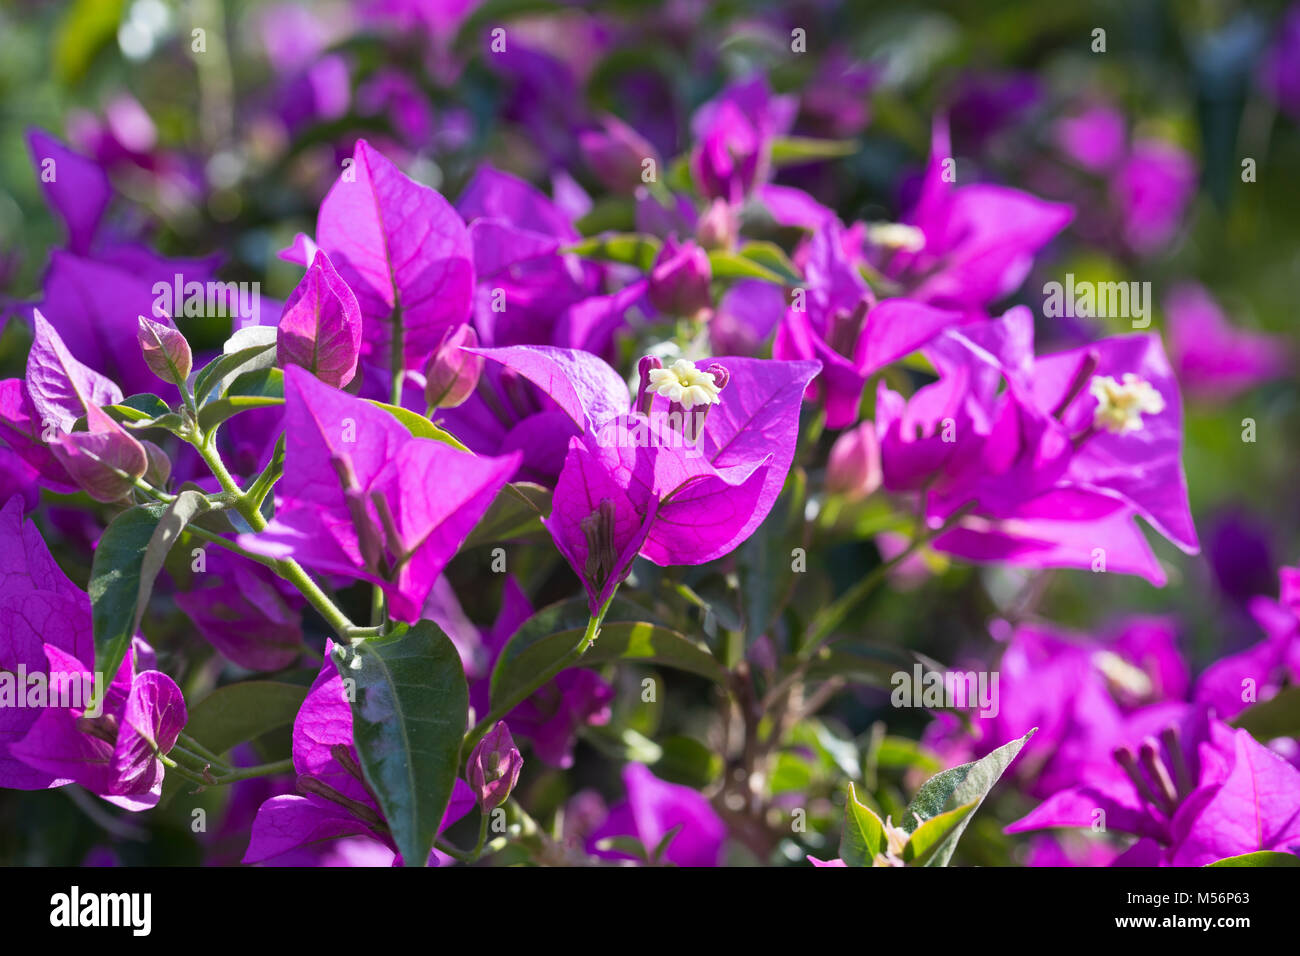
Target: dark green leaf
<point>515,513</point>
<point>237,713</point>
<point>136,408</point>
<point>519,665</point>
<point>408,714</point>
<point>129,555</point>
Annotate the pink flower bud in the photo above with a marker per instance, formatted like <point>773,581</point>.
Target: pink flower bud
<point>104,461</point>
<point>718,226</point>
<point>617,155</point>
<point>165,350</point>
<point>493,767</point>
<point>452,374</point>
<point>679,281</point>
<point>853,469</point>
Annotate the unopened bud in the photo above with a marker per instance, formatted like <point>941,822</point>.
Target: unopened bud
<point>493,767</point>
<point>644,396</point>
<point>617,155</point>
<point>165,350</point>
<point>452,373</point>
<point>717,227</point>
<point>598,529</point>
<point>679,280</point>
<point>853,469</point>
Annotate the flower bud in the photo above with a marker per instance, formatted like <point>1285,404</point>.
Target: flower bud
<point>493,767</point>
<point>717,228</point>
<point>104,461</point>
<point>617,155</point>
<point>452,374</point>
<point>165,351</point>
<point>853,469</point>
<point>679,281</point>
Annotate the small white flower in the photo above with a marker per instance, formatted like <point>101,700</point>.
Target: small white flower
<point>1120,406</point>
<point>684,384</point>
<point>896,235</point>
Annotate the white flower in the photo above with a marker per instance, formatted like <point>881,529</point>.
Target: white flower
<point>1120,407</point>
<point>684,384</point>
<point>896,235</point>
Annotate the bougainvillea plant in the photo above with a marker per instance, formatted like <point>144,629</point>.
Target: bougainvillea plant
<point>582,510</point>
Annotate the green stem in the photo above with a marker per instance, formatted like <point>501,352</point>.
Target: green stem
<point>261,770</point>
<point>460,856</point>
<point>197,762</point>
<point>518,697</point>
<point>182,772</point>
<point>287,568</point>
<point>482,836</point>
<point>194,747</point>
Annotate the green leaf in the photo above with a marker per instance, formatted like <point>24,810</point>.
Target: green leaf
<point>1259,858</point>
<point>528,654</point>
<point>772,258</point>
<point>631,249</point>
<point>247,350</point>
<point>687,761</point>
<point>792,150</point>
<point>930,836</point>
<point>418,425</point>
<point>630,846</point>
<point>861,664</point>
<point>408,720</point>
<point>237,713</point>
<point>86,27</point>
<point>864,832</point>
<point>611,214</point>
<point>763,563</point>
<point>1279,716</point>
<point>661,848</point>
<point>732,265</point>
<point>515,513</point>
<point>260,388</point>
<point>138,408</point>
<point>127,560</point>
<point>955,788</point>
